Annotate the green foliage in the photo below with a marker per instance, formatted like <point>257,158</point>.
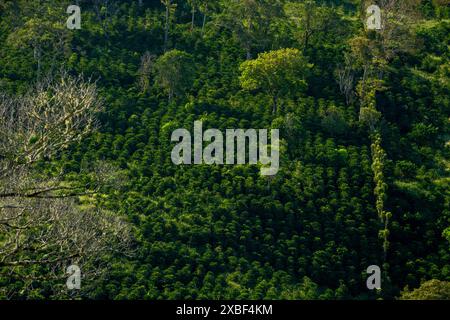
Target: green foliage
<point>351,172</point>
<point>430,290</point>
<point>174,72</point>
<point>280,73</point>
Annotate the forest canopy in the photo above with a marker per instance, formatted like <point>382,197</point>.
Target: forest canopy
<point>86,176</point>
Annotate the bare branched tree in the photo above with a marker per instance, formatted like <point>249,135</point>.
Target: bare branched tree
<point>345,77</point>
<point>145,70</point>
<point>397,33</point>
<point>54,231</point>
<point>373,50</point>
<point>398,21</point>
<point>44,226</point>
<point>46,120</point>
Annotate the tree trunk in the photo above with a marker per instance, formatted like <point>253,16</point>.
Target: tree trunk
<point>193,18</point>
<point>37,56</point>
<point>166,28</point>
<point>204,19</point>
<point>306,43</point>
<point>275,104</point>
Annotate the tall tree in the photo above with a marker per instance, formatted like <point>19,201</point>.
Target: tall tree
<point>168,17</point>
<point>174,72</point>
<point>250,21</point>
<point>194,4</point>
<point>310,20</point>
<point>41,27</point>
<point>371,52</point>
<point>279,73</point>
<point>42,225</point>
<point>145,70</point>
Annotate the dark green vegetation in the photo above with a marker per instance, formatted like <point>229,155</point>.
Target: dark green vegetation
<point>364,173</point>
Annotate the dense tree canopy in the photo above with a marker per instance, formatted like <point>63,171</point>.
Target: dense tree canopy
<point>281,73</point>
<point>363,115</point>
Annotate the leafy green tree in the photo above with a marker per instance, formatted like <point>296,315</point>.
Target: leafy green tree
<point>430,290</point>
<point>44,32</point>
<point>207,6</point>
<point>278,73</point>
<point>250,21</point>
<point>174,72</point>
<point>310,20</point>
<point>169,16</point>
